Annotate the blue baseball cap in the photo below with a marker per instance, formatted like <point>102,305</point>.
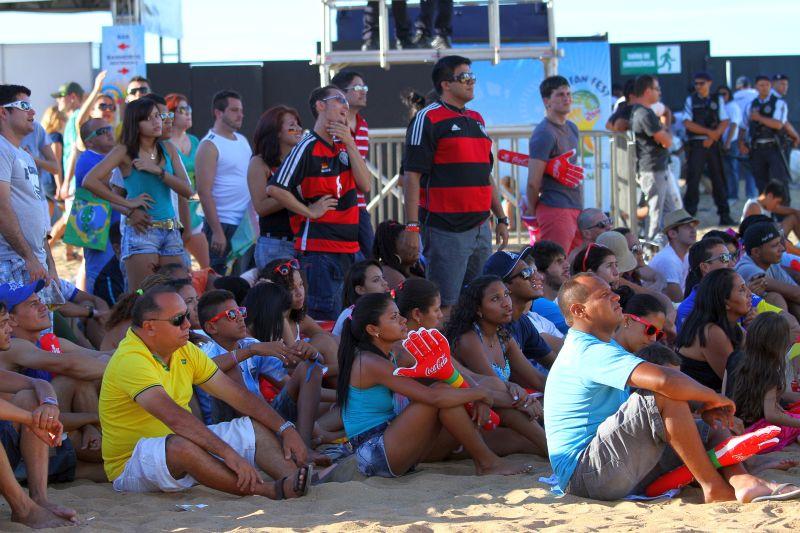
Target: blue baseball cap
<point>502,263</point>
<point>13,295</point>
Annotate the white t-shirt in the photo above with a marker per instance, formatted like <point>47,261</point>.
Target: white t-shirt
<point>673,268</point>
<point>344,315</point>
<point>230,191</point>
<point>544,325</point>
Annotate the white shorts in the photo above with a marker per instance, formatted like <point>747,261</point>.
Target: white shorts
<point>147,471</point>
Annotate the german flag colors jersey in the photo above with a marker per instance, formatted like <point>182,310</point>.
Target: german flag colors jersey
<point>313,169</point>
<point>449,147</point>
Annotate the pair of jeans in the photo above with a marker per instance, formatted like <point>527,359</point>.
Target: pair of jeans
<point>444,17</point>
<point>219,262</point>
<point>735,170</point>
<point>271,248</point>
<point>324,276</point>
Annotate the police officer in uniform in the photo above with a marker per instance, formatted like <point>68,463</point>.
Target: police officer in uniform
<point>705,120</point>
<point>789,136</point>
<point>763,121</point>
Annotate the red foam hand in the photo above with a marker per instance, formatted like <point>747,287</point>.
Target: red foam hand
<point>795,265</point>
<point>729,452</point>
<point>431,353</point>
<point>515,158</point>
<point>563,171</point>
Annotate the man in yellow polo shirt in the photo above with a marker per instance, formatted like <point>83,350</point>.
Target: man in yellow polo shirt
<point>151,440</point>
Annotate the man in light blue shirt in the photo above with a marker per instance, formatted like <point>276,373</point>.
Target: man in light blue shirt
<point>606,441</point>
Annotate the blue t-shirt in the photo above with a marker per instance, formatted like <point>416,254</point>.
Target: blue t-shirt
<point>687,306</point>
<point>586,385</point>
<point>551,312</point>
<point>530,342</point>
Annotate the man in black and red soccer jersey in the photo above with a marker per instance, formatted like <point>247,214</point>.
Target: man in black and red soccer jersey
<point>448,187</point>
<point>317,182</point>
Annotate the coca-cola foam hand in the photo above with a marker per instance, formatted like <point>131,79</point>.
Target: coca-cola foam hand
<point>431,353</point>
<point>50,343</point>
<point>559,167</point>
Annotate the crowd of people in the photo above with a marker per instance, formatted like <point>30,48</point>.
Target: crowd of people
<point>189,352</point>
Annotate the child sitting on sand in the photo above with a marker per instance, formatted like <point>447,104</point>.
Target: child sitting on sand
<point>364,277</point>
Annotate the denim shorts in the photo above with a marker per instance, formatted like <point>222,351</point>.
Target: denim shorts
<point>270,248</point>
<point>285,405</point>
<point>455,258</point>
<point>61,464</point>
<point>371,453</point>
<point>324,273</point>
<point>629,452</point>
<point>14,272</point>
<point>156,241</point>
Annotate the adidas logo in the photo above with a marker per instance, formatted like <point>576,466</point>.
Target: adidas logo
<point>455,128</point>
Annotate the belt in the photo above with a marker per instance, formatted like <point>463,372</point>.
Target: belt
<point>169,224</point>
<point>764,141</point>
<point>278,238</point>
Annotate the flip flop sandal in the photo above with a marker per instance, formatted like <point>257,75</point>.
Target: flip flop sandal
<point>776,496</point>
<point>300,487</point>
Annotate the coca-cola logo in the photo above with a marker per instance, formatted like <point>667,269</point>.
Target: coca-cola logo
<point>519,160</point>
<point>437,366</point>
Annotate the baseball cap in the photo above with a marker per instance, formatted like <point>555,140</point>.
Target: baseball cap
<point>68,88</point>
<point>676,218</point>
<point>13,295</point>
<point>742,81</point>
<point>779,77</point>
<point>501,263</point>
<point>759,234</point>
<point>702,76</point>
<point>617,243</point>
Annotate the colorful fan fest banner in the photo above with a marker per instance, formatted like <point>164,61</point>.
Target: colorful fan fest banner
<point>122,56</point>
<point>508,94</point>
<point>89,221</point>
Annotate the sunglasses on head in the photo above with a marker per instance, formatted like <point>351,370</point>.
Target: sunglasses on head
<point>176,321</point>
<point>98,132</point>
<point>107,107</point>
<point>465,77</point>
<point>140,90</point>
<point>649,329</point>
<point>230,314</point>
<point>22,105</point>
<point>284,268</point>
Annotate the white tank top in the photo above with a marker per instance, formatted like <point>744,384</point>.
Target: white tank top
<point>230,190</point>
<point>753,201</point>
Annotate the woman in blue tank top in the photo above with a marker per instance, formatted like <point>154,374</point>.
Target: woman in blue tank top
<point>150,176</point>
<point>388,444</point>
<point>477,331</point>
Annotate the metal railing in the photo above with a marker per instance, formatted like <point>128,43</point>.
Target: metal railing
<point>608,158</point>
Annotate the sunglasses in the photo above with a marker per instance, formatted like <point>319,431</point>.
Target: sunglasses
<point>107,107</point>
<point>727,257</point>
<point>167,116</point>
<point>636,249</point>
<point>230,314</point>
<point>22,105</point>
<point>649,329</point>
<point>465,77</point>
<point>603,224</point>
<point>288,266</point>
<point>176,321</point>
<point>359,88</point>
<point>524,274</point>
<point>140,90</point>
<point>98,132</point>
<point>339,98</point>
<point>185,110</point>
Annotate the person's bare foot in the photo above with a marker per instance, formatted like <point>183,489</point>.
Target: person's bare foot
<point>58,510</point>
<point>771,464</point>
<point>748,487</point>
<point>37,517</point>
<point>503,467</point>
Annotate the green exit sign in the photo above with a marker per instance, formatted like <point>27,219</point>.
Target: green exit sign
<point>655,59</point>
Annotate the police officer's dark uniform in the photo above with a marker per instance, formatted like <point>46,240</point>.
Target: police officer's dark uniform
<point>707,112</point>
<point>766,150</point>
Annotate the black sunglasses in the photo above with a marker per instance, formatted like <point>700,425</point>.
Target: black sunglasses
<point>524,274</point>
<point>176,321</point>
<point>142,90</point>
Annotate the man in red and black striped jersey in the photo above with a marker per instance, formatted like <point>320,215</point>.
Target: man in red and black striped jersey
<point>351,83</point>
<point>325,165</point>
<point>448,190</point>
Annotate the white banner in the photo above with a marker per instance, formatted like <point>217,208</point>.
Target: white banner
<point>162,17</point>
<point>122,55</point>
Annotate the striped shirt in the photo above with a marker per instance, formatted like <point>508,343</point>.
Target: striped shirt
<point>449,147</point>
<point>361,136</point>
<point>313,169</point>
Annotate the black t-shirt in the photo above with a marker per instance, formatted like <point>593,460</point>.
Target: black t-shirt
<point>623,112</point>
<point>530,342</point>
<point>651,156</point>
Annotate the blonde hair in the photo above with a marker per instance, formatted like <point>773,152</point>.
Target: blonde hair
<point>54,120</point>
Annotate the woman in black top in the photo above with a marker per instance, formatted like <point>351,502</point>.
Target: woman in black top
<point>711,332</point>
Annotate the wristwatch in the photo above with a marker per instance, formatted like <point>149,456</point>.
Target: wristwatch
<point>49,400</point>
<point>286,425</point>
<point>503,220</point>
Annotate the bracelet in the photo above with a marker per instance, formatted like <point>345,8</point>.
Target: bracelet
<point>286,425</point>
<point>413,227</point>
<point>49,400</point>
<point>91,313</point>
<point>233,354</point>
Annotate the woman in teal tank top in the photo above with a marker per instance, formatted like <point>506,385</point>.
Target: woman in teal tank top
<point>186,145</point>
<point>388,444</point>
<point>150,176</point>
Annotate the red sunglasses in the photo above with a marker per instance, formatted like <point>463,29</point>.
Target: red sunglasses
<point>230,314</point>
<point>649,329</point>
<point>284,268</point>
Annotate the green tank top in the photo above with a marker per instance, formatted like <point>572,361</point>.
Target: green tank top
<point>139,182</point>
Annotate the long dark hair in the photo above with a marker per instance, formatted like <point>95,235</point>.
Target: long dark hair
<point>268,273</point>
<point>135,112</point>
<point>266,303</point>
<point>763,365</point>
<point>709,308</point>
<point>266,144</point>
<point>355,339</point>
<point>465,314</point>
<point>356,276</point>
<point>699,252</point>
<point>384,247</point>
<point>415,293</point>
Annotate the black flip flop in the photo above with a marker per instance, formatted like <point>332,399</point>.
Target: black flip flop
<point>300,487</point>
